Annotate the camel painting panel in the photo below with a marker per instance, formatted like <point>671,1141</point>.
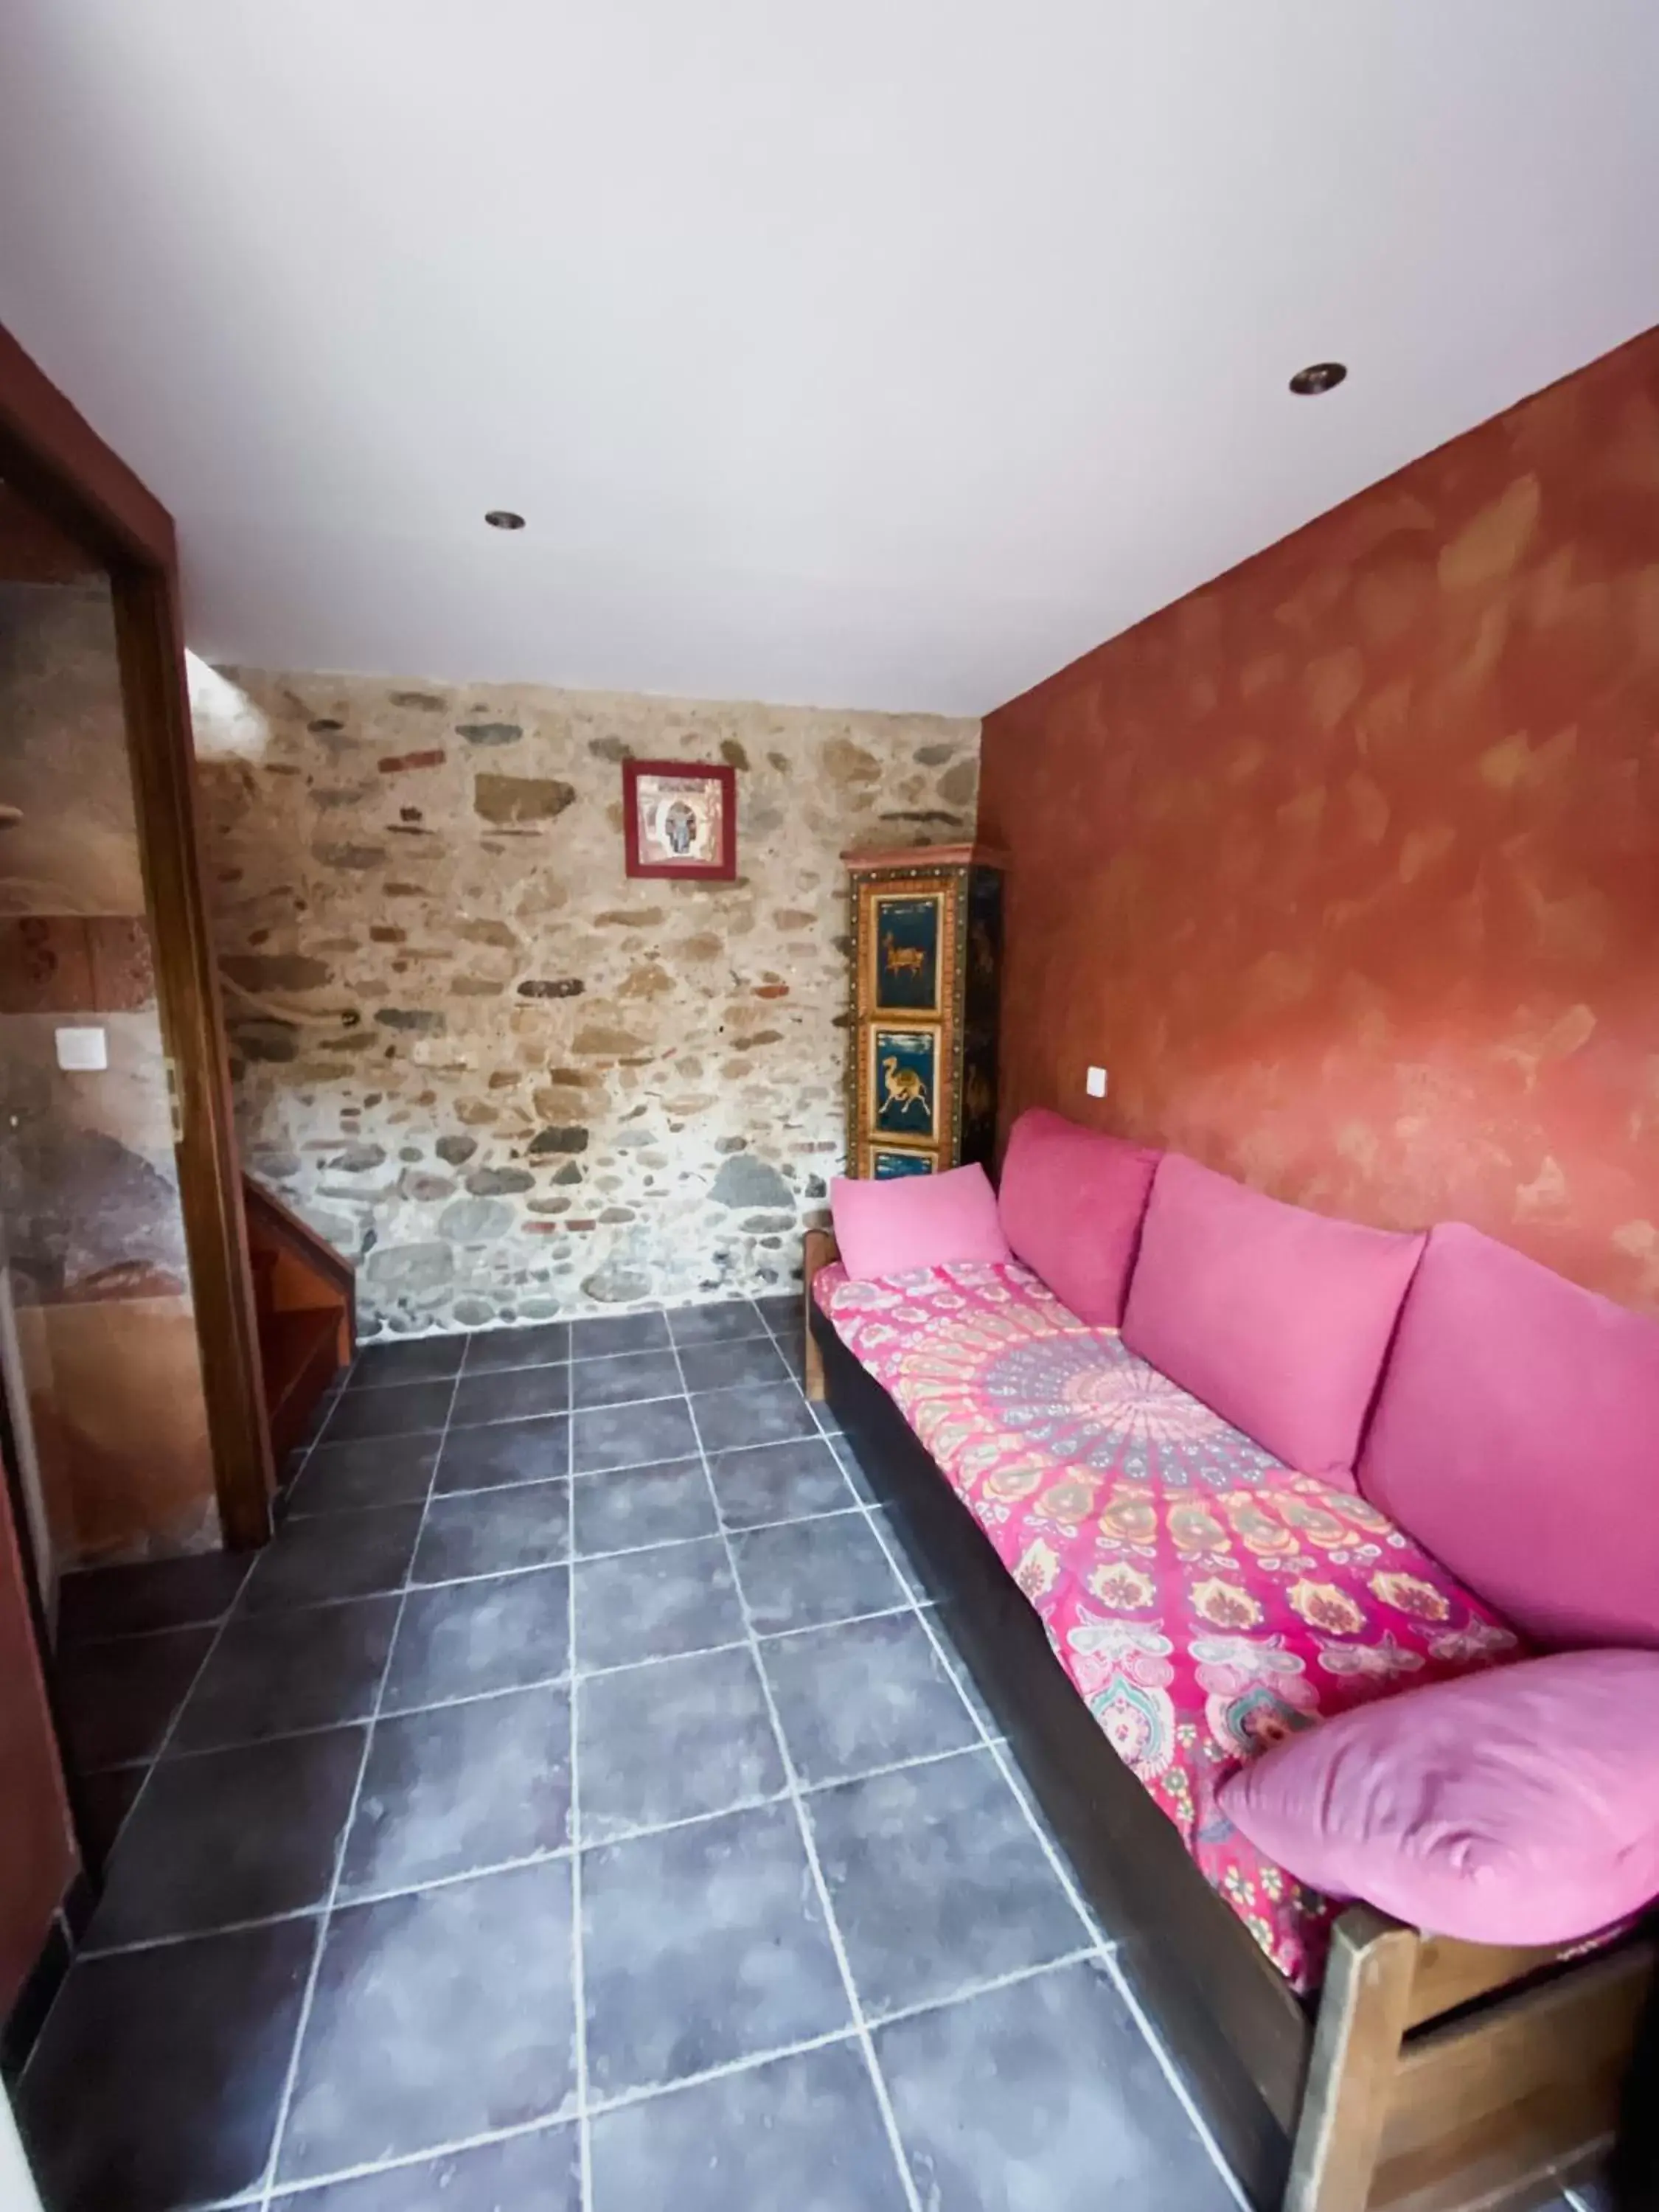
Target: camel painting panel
<point>888,1163</point>
<point>904,1082</point>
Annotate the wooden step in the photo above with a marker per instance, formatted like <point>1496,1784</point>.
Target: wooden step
<point>299,1355</point>
<point>305,1300</point>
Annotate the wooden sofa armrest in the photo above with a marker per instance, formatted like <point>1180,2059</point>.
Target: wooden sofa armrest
<point>1364,2005</point>
<point>820,1250</point>
<point>1483,2098</point>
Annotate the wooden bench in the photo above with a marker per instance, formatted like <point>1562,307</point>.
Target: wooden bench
<point>1426,2075</point>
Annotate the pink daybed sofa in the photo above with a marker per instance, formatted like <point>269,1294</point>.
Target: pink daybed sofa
<point>1442,1458</point>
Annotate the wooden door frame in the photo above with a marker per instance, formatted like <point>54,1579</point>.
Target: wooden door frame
<point>55,458</point>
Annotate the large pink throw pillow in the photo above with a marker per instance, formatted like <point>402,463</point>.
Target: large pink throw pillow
<point>915,1221</point>
<point>1277,1318</point>
<point>1517,1438</point>
<point>1071,1201</point>
<point>1516,1806</point>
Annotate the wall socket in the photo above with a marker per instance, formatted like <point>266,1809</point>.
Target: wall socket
<point>1095,1083</point>
<point>83,1050</point>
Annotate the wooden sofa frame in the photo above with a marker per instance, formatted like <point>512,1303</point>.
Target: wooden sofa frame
<point>1427,2075</point>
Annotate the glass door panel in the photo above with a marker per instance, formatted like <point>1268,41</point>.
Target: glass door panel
<point>97,1322</point>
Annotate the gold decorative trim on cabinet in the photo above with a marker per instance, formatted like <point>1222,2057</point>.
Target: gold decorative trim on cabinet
<point>927,928</point>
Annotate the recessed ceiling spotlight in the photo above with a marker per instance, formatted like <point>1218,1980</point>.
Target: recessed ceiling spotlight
<point>503,518</point>
<point>1322,376</point>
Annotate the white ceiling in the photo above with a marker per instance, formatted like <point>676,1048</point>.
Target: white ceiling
<point>860,352</point>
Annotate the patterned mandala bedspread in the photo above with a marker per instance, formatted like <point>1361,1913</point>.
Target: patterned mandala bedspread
<point>1204,1599</point>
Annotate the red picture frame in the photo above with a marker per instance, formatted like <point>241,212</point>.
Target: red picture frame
<point>654,821</point>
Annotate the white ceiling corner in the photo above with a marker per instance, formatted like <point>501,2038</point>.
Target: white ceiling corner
<point>887,354</point>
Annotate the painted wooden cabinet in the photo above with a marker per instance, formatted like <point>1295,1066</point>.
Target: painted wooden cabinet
<point>921,1079</point>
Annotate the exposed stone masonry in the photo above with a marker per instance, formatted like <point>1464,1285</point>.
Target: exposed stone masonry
<point>506,1080</point>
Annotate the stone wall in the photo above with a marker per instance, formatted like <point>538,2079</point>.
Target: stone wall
<point>505,1079</point>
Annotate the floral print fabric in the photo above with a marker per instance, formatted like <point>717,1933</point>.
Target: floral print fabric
<point>1205,1600</point>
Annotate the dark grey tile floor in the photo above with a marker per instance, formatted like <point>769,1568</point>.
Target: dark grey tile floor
<point>575,1807</point>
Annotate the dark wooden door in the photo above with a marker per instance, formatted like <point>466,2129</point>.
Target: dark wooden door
<point>38,1855</point>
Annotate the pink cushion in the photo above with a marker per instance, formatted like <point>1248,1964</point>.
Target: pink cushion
<point>915,1221</point>
<point>1278,1319</point>
<point>1517,1438</point>
<point>1516,1806</point>
<point>1071,1201</point>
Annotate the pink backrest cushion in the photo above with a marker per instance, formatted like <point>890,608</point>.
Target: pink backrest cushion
<point>1516,1806</point>
<point>915,1221</point>
<point>1071,1201</point>
<point>1516,1437</point>
<point>1277,1318</point>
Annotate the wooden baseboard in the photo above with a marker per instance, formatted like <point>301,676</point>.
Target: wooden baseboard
<point>20,2029</point>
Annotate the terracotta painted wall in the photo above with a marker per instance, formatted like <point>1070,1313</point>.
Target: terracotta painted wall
<point>1346,866</point>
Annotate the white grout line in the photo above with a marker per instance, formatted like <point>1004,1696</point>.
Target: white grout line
<point>472,1697</point>
<point>952,1662</point>
<point>452,1880</point>
<point>654,2092</point>
<point>992,1985</point>
<point>1580,2202</point>
<point>219,1628</point>
<point>366,1390</point>
<point>805,1826</point>
<point>744,1528</point>
<point>319,1910</point>
<point>631,1834</point>
<point>628,1835</point>
<point>905,1604</point>
<point>505,1331</point>
<point>1172,2073</point>
<point>174,1938</point>
<point>413,1582</point>
<point>577,1474</point>
<point>648,2093</point>
<point>550,2122</point>
<point>279,2129</point>
<point>363,1720</point>
<point>795,1792</point>
<point>578,1957</point>
<point>66,1651</point>
<point>1105,1947</point>
<point>890,1766</point>
<point>757,1803</point>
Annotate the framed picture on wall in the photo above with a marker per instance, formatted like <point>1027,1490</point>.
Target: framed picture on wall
<point>680,820</point>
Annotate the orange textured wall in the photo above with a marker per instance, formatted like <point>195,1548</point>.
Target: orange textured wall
<point>1347,866</point>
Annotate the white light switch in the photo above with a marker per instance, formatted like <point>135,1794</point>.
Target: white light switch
<point>84,1051</point>
<point>1095,1083</point>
